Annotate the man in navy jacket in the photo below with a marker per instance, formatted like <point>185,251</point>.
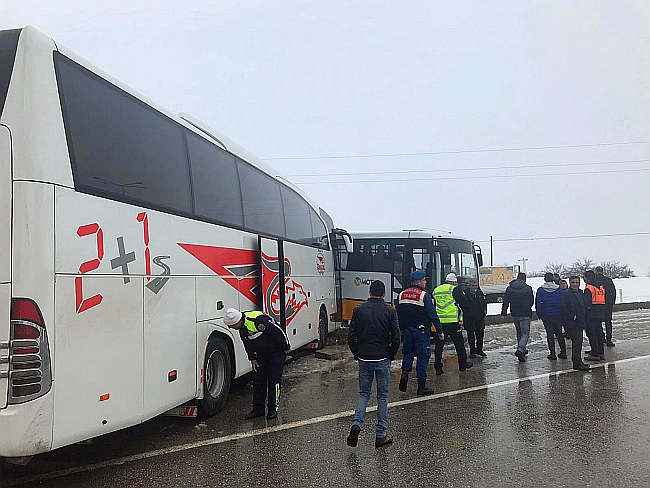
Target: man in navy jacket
<point>519,297</point>
<point>547,306</point>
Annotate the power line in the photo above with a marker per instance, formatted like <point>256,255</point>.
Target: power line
<point>470,177</point>
<point>587,236</point>
<point>479,168</point>
<point>467,151</point>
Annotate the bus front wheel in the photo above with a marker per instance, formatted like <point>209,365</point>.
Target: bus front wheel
<point>217,377</point>
<point>322,328</point>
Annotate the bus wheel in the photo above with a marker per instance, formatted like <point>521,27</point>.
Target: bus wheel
<point>218,375</point>
<point>322,328</point>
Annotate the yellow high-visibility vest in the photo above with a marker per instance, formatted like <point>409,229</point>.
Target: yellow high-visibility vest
<point>446,307</point>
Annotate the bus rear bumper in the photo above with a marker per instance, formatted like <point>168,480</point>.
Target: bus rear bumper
<point>26,429</point>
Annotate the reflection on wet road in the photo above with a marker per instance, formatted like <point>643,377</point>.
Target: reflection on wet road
<point>501,423</point>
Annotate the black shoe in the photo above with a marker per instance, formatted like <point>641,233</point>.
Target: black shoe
<point>256,412</point>
<point>403,381</point>
<point>439,372</point>
<point>482,354</point>
<point>423,389</point>
<point>581,367</point>
<point>272,415</point>
<point>353,438</point>
<point>383,441</point>
<point>562,355</point>
<point>526,352</point>
<point>472,356</point>
<point>589,357</point>
<point>467,365</point>
<point>521,356</point>
<point>552,356</point>
<point>610,344</point>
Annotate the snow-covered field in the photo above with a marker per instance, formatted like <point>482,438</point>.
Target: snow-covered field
<point>627,290</point>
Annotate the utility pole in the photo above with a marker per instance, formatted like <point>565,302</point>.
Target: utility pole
<point>523,264</point>
<point>491,253</point>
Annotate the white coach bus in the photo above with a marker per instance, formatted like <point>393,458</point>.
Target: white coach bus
<point>125,234</point>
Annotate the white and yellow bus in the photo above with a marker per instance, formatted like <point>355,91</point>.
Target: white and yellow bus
<point>125,234</point>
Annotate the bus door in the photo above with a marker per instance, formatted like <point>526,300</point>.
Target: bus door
<point>274,272</point>
<point>5,259</point>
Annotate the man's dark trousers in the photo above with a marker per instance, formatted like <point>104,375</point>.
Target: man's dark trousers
<point>576,346</point>
<point>266,384</point>
<point>553,326</point>
<point>595,335</point>
<point>608,326</point>
<point>417,343</point>
<point>451,330</point>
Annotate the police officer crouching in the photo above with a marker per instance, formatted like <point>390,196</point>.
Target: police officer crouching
<point>416,313</point>
<point>267,347</point>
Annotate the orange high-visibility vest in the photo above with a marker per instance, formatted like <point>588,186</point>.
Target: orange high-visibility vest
<point>597,294</point>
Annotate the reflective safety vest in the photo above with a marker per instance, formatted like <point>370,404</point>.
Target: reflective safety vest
<point>446,307</point>
<point>597,294</point>
<point>249,322</point>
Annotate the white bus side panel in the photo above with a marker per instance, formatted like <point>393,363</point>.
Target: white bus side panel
<point>5,253</point>
<point>5,209</point>
<point>169,346</point>
<point>99,359</point>
<point>27,428</point>
<point>33,113</point>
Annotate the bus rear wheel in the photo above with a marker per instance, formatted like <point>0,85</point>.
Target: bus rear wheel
<point>217,377</point>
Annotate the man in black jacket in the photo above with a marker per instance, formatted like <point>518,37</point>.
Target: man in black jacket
<point>572,304</point>
<point>374,338</point>
<point>519,296</point>
<point>610,299</point>
<point>471,301</point>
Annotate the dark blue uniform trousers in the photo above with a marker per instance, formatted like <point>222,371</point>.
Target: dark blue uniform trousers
<point>416,344</point>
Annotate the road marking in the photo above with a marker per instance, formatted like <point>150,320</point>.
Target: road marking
<point>293,425</point>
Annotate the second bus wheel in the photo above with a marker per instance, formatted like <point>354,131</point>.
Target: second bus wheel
<point>322,328</point>
<point>217,377</point>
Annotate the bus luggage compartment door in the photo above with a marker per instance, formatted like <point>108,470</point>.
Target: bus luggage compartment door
<point>5,259</point>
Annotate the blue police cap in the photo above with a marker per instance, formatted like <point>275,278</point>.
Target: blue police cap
<point>417,275</point>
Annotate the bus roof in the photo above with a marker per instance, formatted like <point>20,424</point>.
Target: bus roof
<point>183,119</point>
<point>409,234</point>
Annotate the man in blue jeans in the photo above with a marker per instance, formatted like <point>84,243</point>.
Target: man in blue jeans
<point>374,338</point>
<point>519,297</point>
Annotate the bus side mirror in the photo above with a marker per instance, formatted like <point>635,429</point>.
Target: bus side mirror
<point>349,247</point>
<point>479,258</point>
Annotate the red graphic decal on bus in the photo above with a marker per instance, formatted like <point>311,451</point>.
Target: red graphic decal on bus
<point>237,267</point>
<point>82,304</point>
<point>295,295</point>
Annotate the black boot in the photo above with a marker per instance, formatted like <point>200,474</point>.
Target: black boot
<point>422,388</point>
<point>256,412</point>
<point>403,382</point>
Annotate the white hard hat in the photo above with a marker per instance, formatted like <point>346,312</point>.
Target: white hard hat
<point>451,277</point>
<point>232,317</point>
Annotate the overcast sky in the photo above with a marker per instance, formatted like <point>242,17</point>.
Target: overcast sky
<point>427,96</point>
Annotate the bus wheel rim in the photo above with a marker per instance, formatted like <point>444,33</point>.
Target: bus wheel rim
<point>215,373</point>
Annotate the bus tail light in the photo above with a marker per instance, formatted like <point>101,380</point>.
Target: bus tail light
<point>30,374</point>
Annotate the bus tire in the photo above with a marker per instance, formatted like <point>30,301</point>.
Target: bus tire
<point>217,377</point>
<point>322,328</point>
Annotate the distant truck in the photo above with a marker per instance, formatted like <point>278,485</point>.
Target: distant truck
<point>494,281</point>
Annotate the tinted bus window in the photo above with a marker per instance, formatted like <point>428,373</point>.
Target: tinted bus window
<point>319,231</point>
<point>8,46</point>
<point>216,184</point>
<point>120,147</point>
<point>263,211</point>
<point>296,216</point>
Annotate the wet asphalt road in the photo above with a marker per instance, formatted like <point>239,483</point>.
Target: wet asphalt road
<point>501,423</point>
